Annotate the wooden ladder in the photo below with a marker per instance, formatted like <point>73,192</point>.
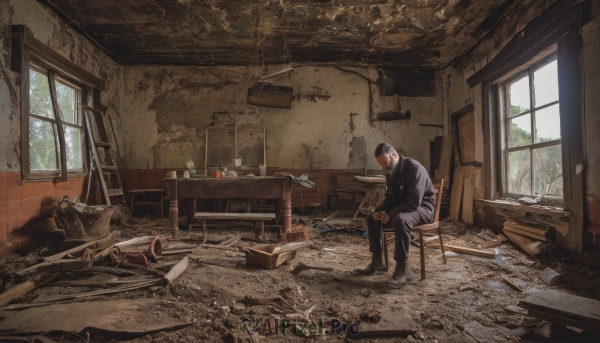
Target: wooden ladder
<point>108,178</point>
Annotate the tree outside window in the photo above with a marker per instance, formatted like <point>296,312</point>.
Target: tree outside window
<point>44,147</point>
<point>533,152</point>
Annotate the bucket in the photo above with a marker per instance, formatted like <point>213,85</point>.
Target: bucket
<point>236,162</point>
<point>216,174</point>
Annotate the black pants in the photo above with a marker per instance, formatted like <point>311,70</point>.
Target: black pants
<point>402,225</point>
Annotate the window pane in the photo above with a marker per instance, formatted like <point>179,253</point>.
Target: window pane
<point>73,141</point>
<point>520,131</point>
<point>547,124</point>
<point>519,172</point>
<point>40,102</point>
<point>548,170</point>
<point>519,96</point>
<point>545,84</point>
<point>67,97</point>
<point>42,145</point>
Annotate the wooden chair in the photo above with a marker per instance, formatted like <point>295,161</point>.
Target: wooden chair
<point>388,233</point>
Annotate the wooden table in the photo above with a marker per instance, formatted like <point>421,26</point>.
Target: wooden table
<point>253,187</point>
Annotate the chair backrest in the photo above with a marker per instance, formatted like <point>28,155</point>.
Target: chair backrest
<point>438,185</point>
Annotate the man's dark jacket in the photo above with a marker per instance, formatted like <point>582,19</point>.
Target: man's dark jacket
<point>408,188</point>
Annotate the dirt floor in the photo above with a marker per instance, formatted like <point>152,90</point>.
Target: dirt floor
<point>215,289</point>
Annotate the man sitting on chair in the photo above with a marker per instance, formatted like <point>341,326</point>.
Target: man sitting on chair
<point>409,201</point>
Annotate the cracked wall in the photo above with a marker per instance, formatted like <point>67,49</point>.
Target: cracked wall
<point>166,113</point>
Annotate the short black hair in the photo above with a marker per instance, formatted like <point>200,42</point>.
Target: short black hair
<point>384,149</point>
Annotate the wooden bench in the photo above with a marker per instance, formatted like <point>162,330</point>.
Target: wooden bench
<point>258,218</point>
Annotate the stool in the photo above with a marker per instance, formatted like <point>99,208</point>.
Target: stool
<point>142,202</point>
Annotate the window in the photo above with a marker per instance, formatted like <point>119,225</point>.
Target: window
<point>44,120</point>
<point>531,120</point>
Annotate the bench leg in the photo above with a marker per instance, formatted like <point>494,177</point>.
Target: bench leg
<point>259,229</point>
<point>204,227</point>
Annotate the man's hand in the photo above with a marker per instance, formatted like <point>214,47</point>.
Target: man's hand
<point>381,216</point>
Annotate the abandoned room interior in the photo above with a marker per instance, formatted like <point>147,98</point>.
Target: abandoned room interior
<point>213,170</point>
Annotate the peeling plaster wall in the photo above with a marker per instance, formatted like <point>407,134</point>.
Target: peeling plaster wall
<point>167,109</point>
<point>52,31</point>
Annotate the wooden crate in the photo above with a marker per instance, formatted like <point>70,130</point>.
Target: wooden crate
<point>262,257</point>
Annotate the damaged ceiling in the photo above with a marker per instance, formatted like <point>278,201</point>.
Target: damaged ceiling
<point>405,33</point>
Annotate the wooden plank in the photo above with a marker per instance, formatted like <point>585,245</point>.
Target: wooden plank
<point>526,244</point>
<point>235,216</point>
<point>25,287</point>
<point>527,228</point>
<point>456,197</point>
<point>565,321</point>
<point>464,250</point>
<point>467,203</point>
<point>445,159</point>
<point>102,243</point>
<point>571,126</point>
<point>466,137</point>
<point>510,228</point>
<point>564,305</point>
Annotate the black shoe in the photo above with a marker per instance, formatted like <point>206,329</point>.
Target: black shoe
<point>370,270</point>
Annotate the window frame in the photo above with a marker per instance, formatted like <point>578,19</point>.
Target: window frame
<point>28,51</point>
<point>43,69</point>
<point>504,118</point>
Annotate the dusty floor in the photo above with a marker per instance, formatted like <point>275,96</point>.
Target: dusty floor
<point>213,289</point>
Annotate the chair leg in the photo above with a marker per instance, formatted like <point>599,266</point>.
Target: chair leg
<point>204,227</point>
<point>384,244</point>
<point>422,251</point>
<point>442,244</point>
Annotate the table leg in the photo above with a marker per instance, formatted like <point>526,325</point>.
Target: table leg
<point>173,216</point>
<point>191,212</point>
<point>287,215</point>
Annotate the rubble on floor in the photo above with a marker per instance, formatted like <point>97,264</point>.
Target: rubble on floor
<point>141,282</point>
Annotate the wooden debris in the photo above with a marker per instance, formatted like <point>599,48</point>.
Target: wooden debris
<point>526,244</point>
<point>549,276</point>
<point>100,244</point>
<point>54,267</point>
<point>333,215</point>
<point>301,267</point>
<point>456,195</point>
<point>230,242</point>
<point>564,309</point>
<point>464,250</point>
<point>110,270</point>
<point>25,287</point>
<point>511,284</point>
<point>290,247</point>
<point>124,318</point>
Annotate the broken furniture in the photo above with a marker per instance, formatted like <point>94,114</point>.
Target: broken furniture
<point>255,187</point>
<point>272,256</point>
<point>374,196</point>
<point>138,197</point>
<point>388,234</point>
<point>258,218</point>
